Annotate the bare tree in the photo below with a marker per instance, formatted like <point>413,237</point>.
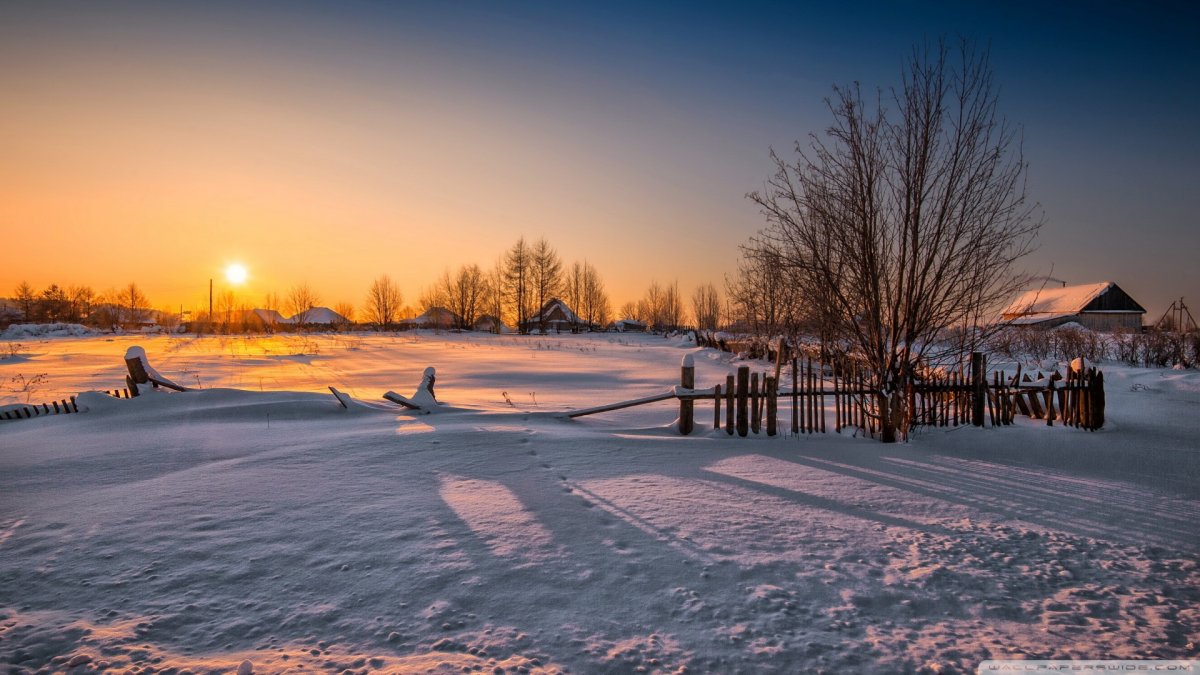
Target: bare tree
<point>545,277</point>
<point>346,311</point>
<point>762,300</point>
<point>133,305</point>
<point>573,289</point>
<point>26,298</point>
<point>226,311</point>
<point>82,298</point>
<point>301,301</point>
<point>383,302</point>
<point>593,299</point>
<point>517,283</point>
<point>494,294</point>
<point>168,318</point>
<point>632,310</point>
<point>464,293</point>
<point>706,306</point>
<point>54,303</point>
<point>902,224</point>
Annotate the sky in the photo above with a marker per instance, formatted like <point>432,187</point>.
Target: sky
<point>329,143</point>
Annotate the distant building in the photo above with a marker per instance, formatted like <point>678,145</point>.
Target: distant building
<point>628,326</point>
<point>321,316</point>
<point>434,317</point>
<point>490,324</point>
<point>556,317</point>
<point>1100,307</point>
<point>269,317</point>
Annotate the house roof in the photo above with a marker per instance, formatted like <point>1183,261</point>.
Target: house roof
<point>548,308</point>
<point>433,315</point>
<point>271,316</point>
<point>1046,304</point>
<point>321,315</point>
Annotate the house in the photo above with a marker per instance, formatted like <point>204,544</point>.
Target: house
<point>628,326</point>
<point>434,317</point>
<point>268,317</point>
<point>1101,307</point>
<point>555,316</point>
<point>490,324</point>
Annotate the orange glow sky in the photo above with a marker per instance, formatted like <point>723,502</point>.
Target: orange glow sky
<point>332,143</point>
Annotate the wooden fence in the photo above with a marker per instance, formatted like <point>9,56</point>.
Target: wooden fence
<point>840,395</point>
<point>21,412</point>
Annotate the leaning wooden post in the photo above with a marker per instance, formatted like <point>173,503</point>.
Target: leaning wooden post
<point>729,411</point>
<point>1050,402</point>
<point>743,391</point>
<point>772,404</point>
<point>755,404</point>
<point>687,380</point>
<point>979,393</point>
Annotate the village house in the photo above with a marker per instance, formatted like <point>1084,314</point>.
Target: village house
<point>554,317</point>
<point>1100,307</point>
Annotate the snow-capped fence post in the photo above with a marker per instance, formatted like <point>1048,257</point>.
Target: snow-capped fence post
<point>979,387</point>
<point>743,391</point>
<point>687,380</point>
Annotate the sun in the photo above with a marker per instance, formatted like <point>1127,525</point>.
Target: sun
<point>236,273</point>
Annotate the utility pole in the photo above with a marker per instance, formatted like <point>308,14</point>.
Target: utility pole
<point>210,300</point>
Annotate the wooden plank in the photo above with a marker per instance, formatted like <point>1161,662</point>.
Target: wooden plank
<point>573,413</point>
<point>401,400</point>
<point>342,399</point>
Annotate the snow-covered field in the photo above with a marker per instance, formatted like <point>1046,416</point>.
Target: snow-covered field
<point>256,520</point>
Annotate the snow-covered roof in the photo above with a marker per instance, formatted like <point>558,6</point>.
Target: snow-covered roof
<point>1052,303</point>
<point>270,316</point>
<point>322,315</point>
<point>547,309</point>
<point>433,316</point>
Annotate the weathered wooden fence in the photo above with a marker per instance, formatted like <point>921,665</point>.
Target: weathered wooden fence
<point>839,394</point>
<point>26,411</point>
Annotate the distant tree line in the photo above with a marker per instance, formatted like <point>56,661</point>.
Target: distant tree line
<point>513,292</point>
<point>126,307</point>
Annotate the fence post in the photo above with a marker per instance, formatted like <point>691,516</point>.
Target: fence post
<point>729,412</point>
<point>755,404</point>
<point>716,407</point>
<point>979,391</point>
<point>743,391</point>
<point>772,404</point>
<point>687,380</point>
<point>1050,402</point>
<point>795,399</point>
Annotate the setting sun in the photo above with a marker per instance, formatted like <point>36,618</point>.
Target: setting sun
<point>236,273</point>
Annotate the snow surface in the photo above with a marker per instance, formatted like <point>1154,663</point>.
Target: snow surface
<point>255,525</point>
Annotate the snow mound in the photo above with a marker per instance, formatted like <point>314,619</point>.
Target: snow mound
<point>29,330</point>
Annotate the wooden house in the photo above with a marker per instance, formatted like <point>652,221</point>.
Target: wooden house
<point>1100,307</point>
<point>438,318</point>
<point>554,317</point>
